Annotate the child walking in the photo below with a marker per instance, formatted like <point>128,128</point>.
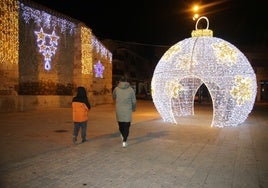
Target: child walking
<point>80,107</point>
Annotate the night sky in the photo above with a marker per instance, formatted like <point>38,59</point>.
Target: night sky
<point>166,22</point>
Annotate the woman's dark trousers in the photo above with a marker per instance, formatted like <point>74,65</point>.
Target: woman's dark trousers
<point>124,129</point>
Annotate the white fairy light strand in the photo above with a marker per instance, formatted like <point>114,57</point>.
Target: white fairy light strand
<point>98,46</point>
<point>86,50</point>
<point>45,20</point>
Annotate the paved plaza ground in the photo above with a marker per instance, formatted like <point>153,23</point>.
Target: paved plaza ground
<point>37,150</point>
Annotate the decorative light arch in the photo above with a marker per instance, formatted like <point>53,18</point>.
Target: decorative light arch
<point>204,59</point>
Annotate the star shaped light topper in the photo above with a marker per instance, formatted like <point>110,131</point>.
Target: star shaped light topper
<point>47,44</point>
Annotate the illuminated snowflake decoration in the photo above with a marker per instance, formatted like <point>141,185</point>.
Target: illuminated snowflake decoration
<point>204,59</point>
<point>242,89</point>
<point>184,62</point>
<point>226,53</point>
<point>98,69</point>
<point>172,50</point>
<point>173,88</point>
<point>47,44</point>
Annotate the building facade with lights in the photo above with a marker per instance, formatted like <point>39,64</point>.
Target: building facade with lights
<point>45,55</point>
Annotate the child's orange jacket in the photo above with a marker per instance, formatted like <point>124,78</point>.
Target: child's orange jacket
<point>80,112</point>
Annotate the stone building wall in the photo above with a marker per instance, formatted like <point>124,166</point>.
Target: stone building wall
<point>45,56</point>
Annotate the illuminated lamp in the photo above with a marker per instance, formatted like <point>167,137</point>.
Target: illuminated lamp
<point>204,59</point>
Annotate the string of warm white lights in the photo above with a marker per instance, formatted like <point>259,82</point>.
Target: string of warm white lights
<point>9,31</point>
<point>204,59</point>
<point>86,50</point>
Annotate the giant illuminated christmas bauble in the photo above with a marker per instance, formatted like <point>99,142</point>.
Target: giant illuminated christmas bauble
<point>204,59</point>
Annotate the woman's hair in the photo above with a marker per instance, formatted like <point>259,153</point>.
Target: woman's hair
<point>81,92</point>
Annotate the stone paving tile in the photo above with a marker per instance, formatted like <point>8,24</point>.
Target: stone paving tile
<point>159,155</point>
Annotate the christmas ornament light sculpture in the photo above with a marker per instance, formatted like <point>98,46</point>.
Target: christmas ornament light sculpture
<point>204,59</point>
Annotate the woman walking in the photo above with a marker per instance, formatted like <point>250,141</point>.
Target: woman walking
<point>125,98</point>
